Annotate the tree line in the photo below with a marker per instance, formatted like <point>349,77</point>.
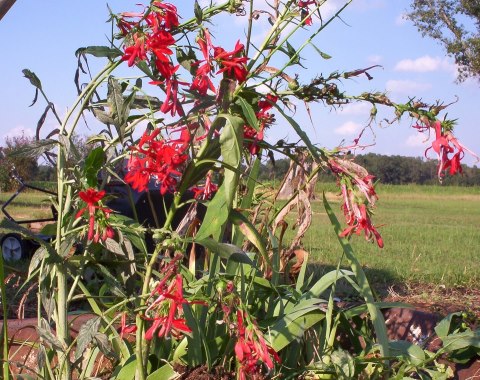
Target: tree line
<point>394,170</point>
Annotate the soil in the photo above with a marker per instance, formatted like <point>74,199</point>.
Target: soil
<point>202,373</point>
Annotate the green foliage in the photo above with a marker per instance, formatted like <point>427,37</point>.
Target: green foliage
<point>455,24</point>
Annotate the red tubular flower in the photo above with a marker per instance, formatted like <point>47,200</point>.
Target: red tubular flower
<point>207,190</point>
<point>231,63</point>
<point>164,17</point>
<point>264,120</point>
<point>167,309</point>
<point>303,5</point>
<point>156,159</point>
<point>202,82</point>
<point>135,51</point>
<point>124,328</point>
<point>354,206</point>
<point>445,143</point>
<point>102,231</point>
<point>251,349</point>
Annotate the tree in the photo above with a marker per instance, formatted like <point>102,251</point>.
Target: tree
<point>455,24</point>
<point>25,166</point>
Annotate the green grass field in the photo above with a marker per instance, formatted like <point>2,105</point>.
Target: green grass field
<point>431,235</point>
<point>28,205</point>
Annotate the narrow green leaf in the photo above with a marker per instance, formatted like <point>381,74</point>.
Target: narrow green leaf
<point>215,217</point>
<point>165,372</point>
<point>251,233</point>
<point>93,164</point>
<point>225,251</point>
<point>249,113</point>
<point>322,54</point>
<point>365,290</point>
<point>99,52</point>
<point>288,329</point>
<point>300,132</point>
<point>34,148</point>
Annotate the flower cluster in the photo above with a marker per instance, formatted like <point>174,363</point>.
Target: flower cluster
<point>207,190</point>
<point>98,226</point>
<point>167,307</point>
<point>157,158</point>
<point>251,349</point>
<point>264,120</point>
<point>352,176</point>
<point>444,145</point>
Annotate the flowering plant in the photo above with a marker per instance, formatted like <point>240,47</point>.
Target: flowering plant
<point>194,273</point>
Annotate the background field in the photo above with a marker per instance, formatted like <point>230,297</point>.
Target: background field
<point>431,235</point>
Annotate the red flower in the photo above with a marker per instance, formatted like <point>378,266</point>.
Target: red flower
<point>124,328</point>
<point>354,206</point>
<point>304,10</point>
<point>91,197</point>
<point>164,17</point>
<point>135,51</point>
<point>156,159</point>
<point>207,190</point>
<point>167,308</point>
<point>251,349</point>
<point>264,120</point>
<point>202,82</point>
<point>232,64</point>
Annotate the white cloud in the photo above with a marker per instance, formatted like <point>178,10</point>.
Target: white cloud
<point>374,59</point>
<point>425,64</point>
<point>348,128</point>
<point>406,86</point>
<point>417,140</point>
<point>19,130</point>
<point>360,108</point>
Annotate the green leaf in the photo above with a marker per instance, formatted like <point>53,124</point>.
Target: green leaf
<point>408,350</point>
<point>215,217</point>
<point>86,335</point>
<point>462,340</point>
<point>249,113</point>
<point>93,164</point>
<point>165,372</point>
<point>225,251</point>
<point>444,327</point>
<point>32,77</point>
<point>288,329</point>
<point>34,148</point>
<point>99,52</point>
<point>322,54</point>
<point>300,132</point>
<point>127,371</point>
<point>344,363</point>
<point>325,282</point>
<point>231,142</point>
<point>197,10</point>
<point>251,234</point>
<point>364,287</point>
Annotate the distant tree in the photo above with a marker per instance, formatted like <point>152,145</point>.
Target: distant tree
<point>455,24</point>
<point>25,166</point>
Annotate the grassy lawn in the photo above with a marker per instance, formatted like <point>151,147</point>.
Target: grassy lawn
<point>431,235</point>
<point>28,205</point>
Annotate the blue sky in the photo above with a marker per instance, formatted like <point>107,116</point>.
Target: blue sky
<point>43,36</point>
